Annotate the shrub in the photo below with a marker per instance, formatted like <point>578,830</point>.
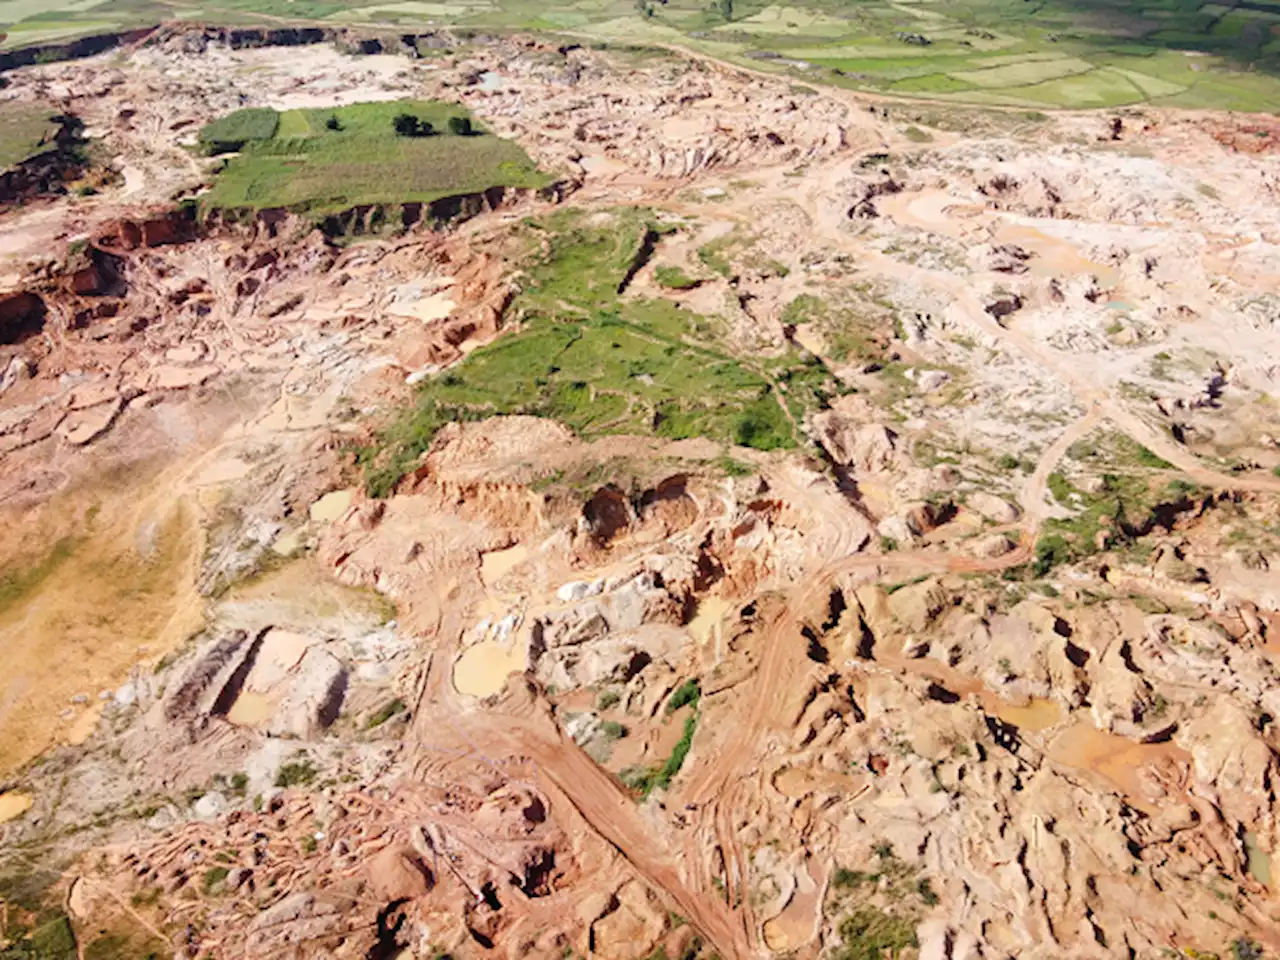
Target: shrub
<point>213,877</point>
<point>871,934</point>
<point>612,730</point>
<point>673,278</point>
<point>607,699</point>
<point>385,713</point>
<point>760,428</point>
<point>1007,461</point>
<point>460,126</point>
<point>687,693</point>
<point>1051,551</point>
<point>296,772</point>
<point>333,123</point>
<point>407,125</point>
<point>849,879</point>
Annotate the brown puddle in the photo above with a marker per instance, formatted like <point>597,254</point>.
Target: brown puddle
<point>1259,859</point>
<point>1034,716</point>
<point>483,667</point>
<point>331,506</point>
<point>1117,759</point>
<point>1054,256</point>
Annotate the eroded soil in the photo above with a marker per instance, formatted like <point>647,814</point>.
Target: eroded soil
<point>984,666</point>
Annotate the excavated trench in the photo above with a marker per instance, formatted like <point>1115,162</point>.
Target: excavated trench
<point>22,316</point>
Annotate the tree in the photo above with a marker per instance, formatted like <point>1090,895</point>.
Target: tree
<point>407,125</point>
<point>333,123</point>
<point>460,126</point>
<point>726,8</point>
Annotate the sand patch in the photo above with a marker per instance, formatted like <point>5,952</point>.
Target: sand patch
<point>705,625</point>
<point>83,725</point>
<point>797,782</point>
<point>13,805</point>
<point>331,506</point>
<point>598,165</point>
<point>222,471</point>
<point>76,616</point>
<point>427,301</point>
<point>496,564</point>
<point>811,339</point>
<point>797,924</point>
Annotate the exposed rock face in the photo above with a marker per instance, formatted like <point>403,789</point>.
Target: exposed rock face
<point>607,514</point>
<point>396,874</point>
<point>991,507</point>
<point>314,695</point>
<point>610,637</point>
<point>21,315</point>
<point>1004,258</point>
<point>1229,752</point>
<point>864,447</point>
<point>157,231</point>
<point>917,605</point>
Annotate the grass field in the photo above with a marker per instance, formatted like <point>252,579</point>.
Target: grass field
<point>1053,53</point>
<point>25,132</point>
<point>307,166</point>
<point>601,364</point>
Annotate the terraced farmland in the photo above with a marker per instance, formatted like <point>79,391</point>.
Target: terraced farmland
<point>1053,54</point>
<point>325,161</point>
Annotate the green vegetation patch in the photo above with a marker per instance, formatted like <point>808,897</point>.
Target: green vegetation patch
<point>298,772</point>
<point>52,940</point>
<point>1128,502</point>
<point>589,359</point>
<point>687,693</point>
<point>673,278</point>
<point>644,780</point>
<point>854,332</point>
<point>332,160</point>
<point>879,908</point>
<point>385,712</point>
<point>1026,73</point>
<point>25,131</point>
<point>233,131</point>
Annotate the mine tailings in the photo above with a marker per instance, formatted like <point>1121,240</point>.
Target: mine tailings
<point>198,35</point>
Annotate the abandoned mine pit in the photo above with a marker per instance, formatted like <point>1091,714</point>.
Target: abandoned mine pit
<point>639,480</point>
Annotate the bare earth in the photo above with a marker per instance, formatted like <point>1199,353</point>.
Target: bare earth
<point>285,720</point>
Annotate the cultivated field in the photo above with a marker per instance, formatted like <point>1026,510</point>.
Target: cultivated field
<point>1053,54</point>
<point>304,164</point>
